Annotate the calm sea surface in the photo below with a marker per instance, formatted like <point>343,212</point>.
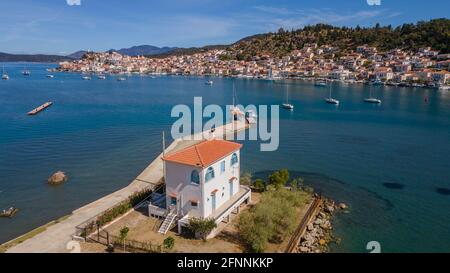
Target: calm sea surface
<point>386,161</point>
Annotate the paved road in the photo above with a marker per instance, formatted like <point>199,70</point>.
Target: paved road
<point>56,237</point>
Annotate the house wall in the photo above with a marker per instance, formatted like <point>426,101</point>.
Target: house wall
<point>221,183</point>
<point>178,183</point>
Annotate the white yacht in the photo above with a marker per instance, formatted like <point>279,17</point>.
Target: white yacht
<point>86,78</point>
<point>371,99</point>
<point>4,75</point>
<point>50,76</point>
<point>287,105</point>
<point>209,82</point>
<point>321,83</point>
<point>121,79</point>
<point>101,77</point>
<point>26,72</point>
<point>331,100</point>
<point>251,117</point>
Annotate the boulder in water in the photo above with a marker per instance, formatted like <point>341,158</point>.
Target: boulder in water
<point>57,178</point>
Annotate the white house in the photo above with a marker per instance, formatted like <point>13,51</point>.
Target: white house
<point>203,181</point>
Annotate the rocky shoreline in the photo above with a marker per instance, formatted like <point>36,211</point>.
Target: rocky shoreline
<point>318,234</point>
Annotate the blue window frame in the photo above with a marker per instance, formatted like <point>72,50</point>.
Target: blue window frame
<point>195,177</point>
<point>234,159</point>
<point>209,174</point>
<point>222,167</point>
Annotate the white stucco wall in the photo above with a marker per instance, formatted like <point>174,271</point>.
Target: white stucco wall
<point>178,182</point>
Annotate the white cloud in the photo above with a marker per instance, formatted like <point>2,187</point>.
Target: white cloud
<point>73,2</point>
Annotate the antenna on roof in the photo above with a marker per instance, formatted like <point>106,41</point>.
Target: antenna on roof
<point>164,143</point>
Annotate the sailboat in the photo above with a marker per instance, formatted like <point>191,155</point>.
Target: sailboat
<point>4,75</point>
<point>26,72</point>
<point>235,111</point>
<point>287,105</point>
<point>330,100</point>
<point>371,99</point>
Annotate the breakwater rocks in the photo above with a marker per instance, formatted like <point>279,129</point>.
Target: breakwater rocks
<point>318,233</point>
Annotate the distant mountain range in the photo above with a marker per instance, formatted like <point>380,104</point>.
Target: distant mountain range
<point>38,58</point>
<point>142,50</point>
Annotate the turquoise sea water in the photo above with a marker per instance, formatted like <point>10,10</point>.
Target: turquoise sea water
<point>386,161</point>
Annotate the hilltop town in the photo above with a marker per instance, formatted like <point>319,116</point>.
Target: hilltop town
<point>426,67</point>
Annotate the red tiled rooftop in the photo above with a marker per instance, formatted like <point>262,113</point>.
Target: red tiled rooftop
<point>204,153</point>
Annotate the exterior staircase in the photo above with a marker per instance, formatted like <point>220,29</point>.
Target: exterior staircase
<point>167,223</point>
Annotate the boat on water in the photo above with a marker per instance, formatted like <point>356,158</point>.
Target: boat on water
<point>26,72</point>
<point>9,213</point>
<point>121,79</point>
<point>444,87</point>
<point>320,83</point>
<point>331,100</point>
<point>251,117</point>
<point>372,99</point>
<point>209,83</point>
<point>4,75</point>
<point>287,105</point>
<point>50,76</point>
<point>101,77</point>
<point>377,82</point>
<point>86,78</point>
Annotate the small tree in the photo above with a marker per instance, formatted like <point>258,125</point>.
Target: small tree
<point>259,185</point>
<point>279,178</point>
<point>202,227</point>
<point>169,243</point>
<point>123,235</point>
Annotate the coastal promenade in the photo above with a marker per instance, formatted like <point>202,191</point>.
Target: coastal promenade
<point>56,237</point>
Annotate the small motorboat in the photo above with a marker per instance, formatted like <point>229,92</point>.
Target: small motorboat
<point>86,78</point>
<point>50,76</point>
<point>209,83</point>
<point>121,79</point>
<point>101,77</point>
<point>9,213</point>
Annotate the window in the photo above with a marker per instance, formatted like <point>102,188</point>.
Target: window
<point>195,178</point>
<point>173,201</point>
<point>209,174</point>
<point>222,167</point>
<point>234,159</point>
<point>194,203</point>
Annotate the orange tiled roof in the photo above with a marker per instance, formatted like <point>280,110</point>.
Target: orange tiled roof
<point>204,153</point>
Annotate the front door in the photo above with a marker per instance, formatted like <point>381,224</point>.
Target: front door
<point>213,202</point>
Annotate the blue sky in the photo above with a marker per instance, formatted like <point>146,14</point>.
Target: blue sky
<point>53,26</point>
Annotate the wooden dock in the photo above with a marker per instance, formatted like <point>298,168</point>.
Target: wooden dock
<point>40,108</point>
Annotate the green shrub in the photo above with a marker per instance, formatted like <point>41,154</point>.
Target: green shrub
<point>279,178</point>
<point>202,226</point>
<point>169,243</point>
<point>259,185</point>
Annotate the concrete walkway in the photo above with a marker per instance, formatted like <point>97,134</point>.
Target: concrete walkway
<point>56,237</point>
